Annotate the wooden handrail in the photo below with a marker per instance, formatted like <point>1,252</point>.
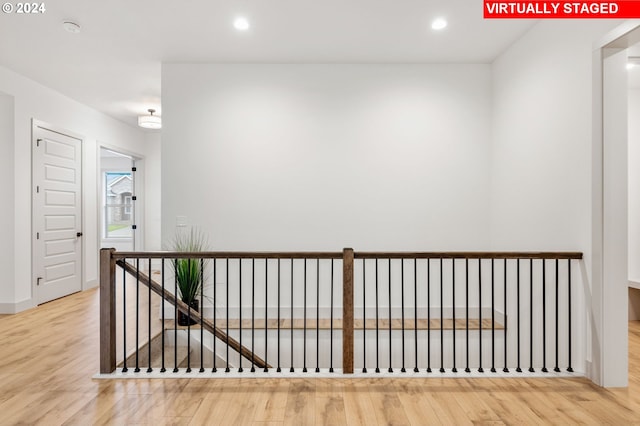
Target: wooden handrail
<point>195,315</point>
<point>226,255</point>
<point>468,255</point>
<point>357,255</point>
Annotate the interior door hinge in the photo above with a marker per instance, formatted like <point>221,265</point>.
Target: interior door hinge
<point>134,227</point>
<point>38,189</point>
<point>38,280</point>
<point>134,198</point>
<point>38,142</point>
<point>37,235</point>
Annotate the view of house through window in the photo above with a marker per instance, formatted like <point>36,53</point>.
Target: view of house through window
<point>118,207</point>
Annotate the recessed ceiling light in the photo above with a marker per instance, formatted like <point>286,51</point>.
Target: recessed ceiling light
<point>241,24</point>
<point>439,24</point>
<point>71,27</point>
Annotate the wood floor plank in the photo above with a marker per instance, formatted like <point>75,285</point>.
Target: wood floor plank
<point>329,402</point>
<point>387,405</point>
<point>416,403</point>
<point>473,406</point>
<point>216,393</point>
<point>358,406</point>
<point>95,409</point>
<point>271,401</point>
<point>301,403</point>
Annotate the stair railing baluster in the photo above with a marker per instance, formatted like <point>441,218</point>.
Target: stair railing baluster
<point>428,315</point>
<point>317,315</point>
<point>137,369</point>
<point>403,370</point>
<point>531,369</point>
<point>415,314</point>
<point>441,316</point>
<point>304,339</point>
<point>240,370</point>
<point>175,316</point>
<point>390,347</point>
<point>291,370</point>
<point>453,292</point>
<point>518,368</point>
<point>201,315</point>
<point>569,369</point>
<point>214,369</point>
<point>149,369</point>
<point>364,316</point>
<point>556,368</point>
<point>124,319</point>
<point>162,301</point>
<point>189,323</point>
<point>227,369</point>
<point>377,323</point>
<point>505,369</point>
<point>253,312</point>
<point>544,316</point>
<point>480,369</point>
<point>493,318</point>
<point>266,314</point>
<point>466,299</point>
<point>331,325</point>
<point>278,368</point>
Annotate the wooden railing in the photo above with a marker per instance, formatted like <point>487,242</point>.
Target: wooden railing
<point>412,315</point>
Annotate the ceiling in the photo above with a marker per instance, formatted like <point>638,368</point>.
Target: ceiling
<point>114,63</point>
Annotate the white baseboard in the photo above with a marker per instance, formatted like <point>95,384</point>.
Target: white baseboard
<point>325,374</point>
<point>91,284</point>
<point>587,370</point>
<point>14,308</point>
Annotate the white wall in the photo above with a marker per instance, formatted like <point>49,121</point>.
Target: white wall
<point>634,186</point>
<point>7,289</point>
<point>152,192</point>
<point>298,157</point>
<point>541,153</point>
<point>34,101</point>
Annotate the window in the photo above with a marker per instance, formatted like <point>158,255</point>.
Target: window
<point>118,205</point>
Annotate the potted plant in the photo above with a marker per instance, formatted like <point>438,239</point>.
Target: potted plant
<point>189,272</point>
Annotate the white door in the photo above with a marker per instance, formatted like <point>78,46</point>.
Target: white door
<point>57,214</point>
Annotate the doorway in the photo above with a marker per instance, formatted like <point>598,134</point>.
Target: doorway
<point>56,212</point>
<point>119,191</point>
<point>609,290</point>
<point>633,72</point>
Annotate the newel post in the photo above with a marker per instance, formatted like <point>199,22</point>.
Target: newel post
<point>347,311</point>
<point>107,311</point>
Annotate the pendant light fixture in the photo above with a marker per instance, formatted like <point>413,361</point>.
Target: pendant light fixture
<point>150,121</point>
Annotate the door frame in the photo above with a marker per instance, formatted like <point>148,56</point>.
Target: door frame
<point>608,301</point>
<point>56,129</point>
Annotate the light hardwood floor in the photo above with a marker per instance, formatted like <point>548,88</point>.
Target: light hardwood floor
<point>49,354</point>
